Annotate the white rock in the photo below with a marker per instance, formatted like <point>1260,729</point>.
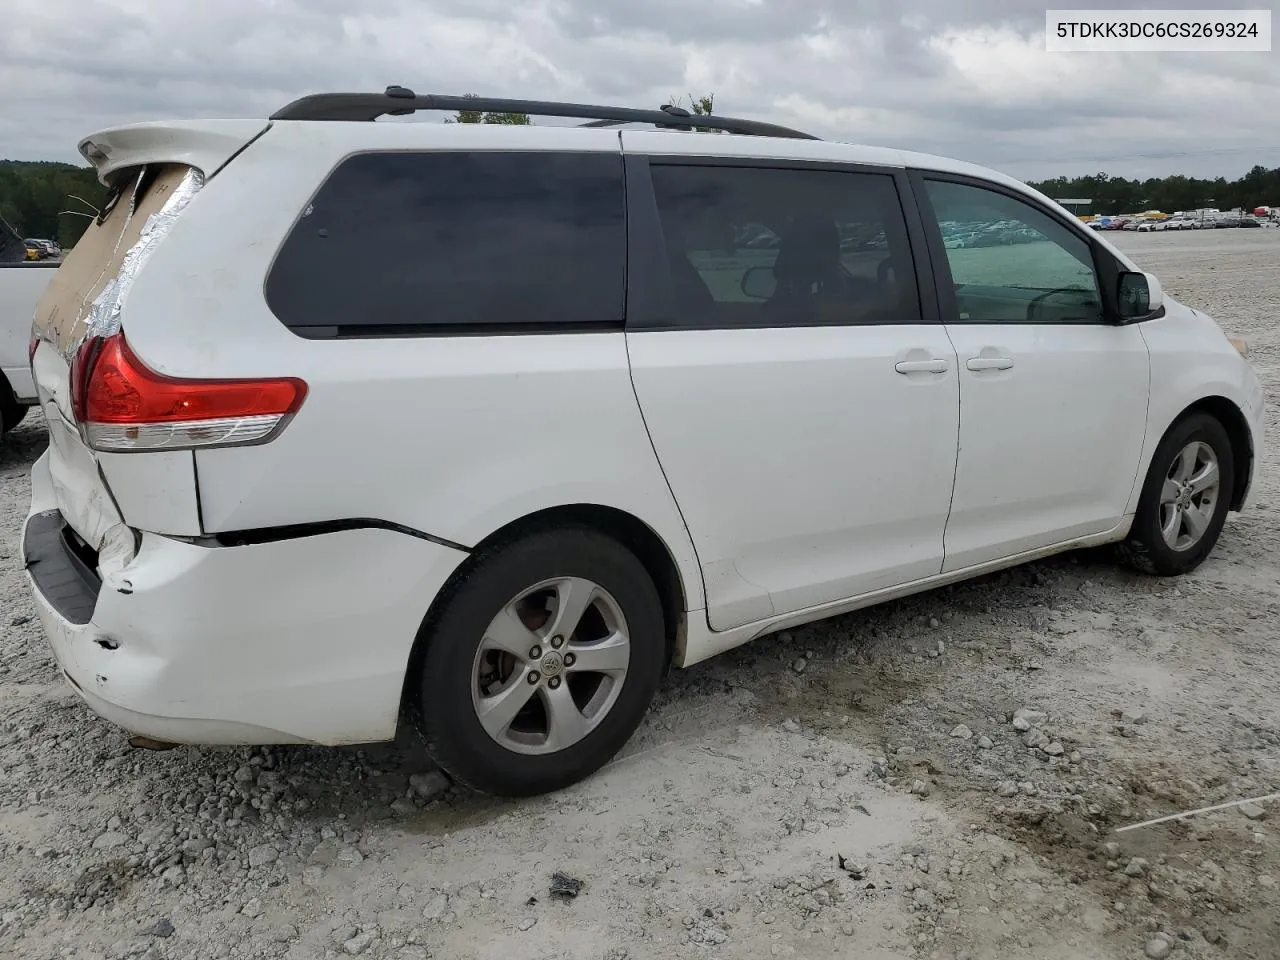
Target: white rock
<point>1007,789</point>
<point>252,909</point>
<point>350,855</point>
<point>1035,739</point>
<point>1054,749</point>
<point>1021,724</point>
<point>527,923</point>
<point>985,743</point>
<point>962,733</point>
<point>437,907</point>
<point>799,665</point>
<point>429,785</point>
<point>1253,811</point>
<point>262,855</point>
<point>110,840</point>
<point>359,943</point>
<point>1158,948</point>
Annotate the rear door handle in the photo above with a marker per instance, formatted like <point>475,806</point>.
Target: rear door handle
<point>921,366</point>
<point>988,363</point>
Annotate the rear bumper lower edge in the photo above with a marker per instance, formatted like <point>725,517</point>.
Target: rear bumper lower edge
<point>64,579</point>
<point>297,641</point>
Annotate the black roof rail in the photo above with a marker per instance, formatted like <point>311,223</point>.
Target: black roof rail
<point>400,101</point>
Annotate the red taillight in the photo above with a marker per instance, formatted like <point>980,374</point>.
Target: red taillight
<point>81,364</point>
<point>32,347</point>
<point>122,405</point>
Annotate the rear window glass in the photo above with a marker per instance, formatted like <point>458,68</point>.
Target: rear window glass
<point>457,242</point>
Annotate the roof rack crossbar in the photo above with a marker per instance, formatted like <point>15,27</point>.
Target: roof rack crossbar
<point>400,101</point>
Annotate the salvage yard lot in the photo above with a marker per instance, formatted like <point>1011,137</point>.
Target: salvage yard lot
<point>851,789</point>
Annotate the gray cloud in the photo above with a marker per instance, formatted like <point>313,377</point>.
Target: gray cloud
<point>967,79</point>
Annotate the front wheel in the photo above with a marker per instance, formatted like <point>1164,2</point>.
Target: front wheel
<point>541,663</point>
<point>1184,500</point>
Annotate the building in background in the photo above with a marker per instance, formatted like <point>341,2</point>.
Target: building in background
<point>1081,208</point>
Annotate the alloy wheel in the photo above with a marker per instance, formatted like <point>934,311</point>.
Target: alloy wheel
<point>1189,495</point>
<point>550,666</point>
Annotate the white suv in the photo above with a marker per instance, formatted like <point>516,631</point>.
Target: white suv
<point>596,401</point>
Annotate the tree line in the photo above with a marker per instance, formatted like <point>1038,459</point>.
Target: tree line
<point>33,196</point>
<point>1259,187</point>
<point>39,199</point>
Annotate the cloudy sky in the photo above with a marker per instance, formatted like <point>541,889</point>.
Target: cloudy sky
<point>965,78</point>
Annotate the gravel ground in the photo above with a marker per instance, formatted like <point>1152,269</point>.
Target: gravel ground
<point>934,778</point>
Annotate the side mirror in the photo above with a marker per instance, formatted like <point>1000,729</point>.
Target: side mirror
<point>1139,295</point>
<point>759,283</point>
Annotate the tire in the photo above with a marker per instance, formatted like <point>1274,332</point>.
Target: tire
<point>12,413</point>
<point>476,661</point>
<point>1199,438</point>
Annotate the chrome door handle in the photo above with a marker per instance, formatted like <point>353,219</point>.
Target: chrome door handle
<point>988,363</point>
<point>921,366</point>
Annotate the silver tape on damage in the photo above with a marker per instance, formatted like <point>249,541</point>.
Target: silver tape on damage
<point>103,316</point>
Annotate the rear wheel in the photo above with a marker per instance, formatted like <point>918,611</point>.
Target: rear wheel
<point>541,663</point>
<point>1184,500</point>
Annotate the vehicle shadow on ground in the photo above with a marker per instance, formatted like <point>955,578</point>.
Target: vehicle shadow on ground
<point>22,446</point>
<point>389,787</point>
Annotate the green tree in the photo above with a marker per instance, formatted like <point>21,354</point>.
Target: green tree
<point>1113,195</point>
<point>34,196</point>
<point>478,116</point>
<point>699,107</point>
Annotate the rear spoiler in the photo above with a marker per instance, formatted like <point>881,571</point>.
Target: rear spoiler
<point>206,145</point>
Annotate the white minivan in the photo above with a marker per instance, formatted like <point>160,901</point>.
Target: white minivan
<point>599,401</point>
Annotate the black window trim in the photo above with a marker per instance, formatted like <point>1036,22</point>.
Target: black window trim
<point>442,331</point>
<point>650,307</point>
<point>1107,268</point>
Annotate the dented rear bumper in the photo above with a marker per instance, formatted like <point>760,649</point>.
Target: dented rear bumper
<point>302,640</point>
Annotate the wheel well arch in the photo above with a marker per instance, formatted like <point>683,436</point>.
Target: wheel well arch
<point>1233,421</point>
<point>629,530</point>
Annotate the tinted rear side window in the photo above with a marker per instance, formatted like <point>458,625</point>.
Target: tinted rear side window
<point>775,247</point>
<point>457,243</point>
